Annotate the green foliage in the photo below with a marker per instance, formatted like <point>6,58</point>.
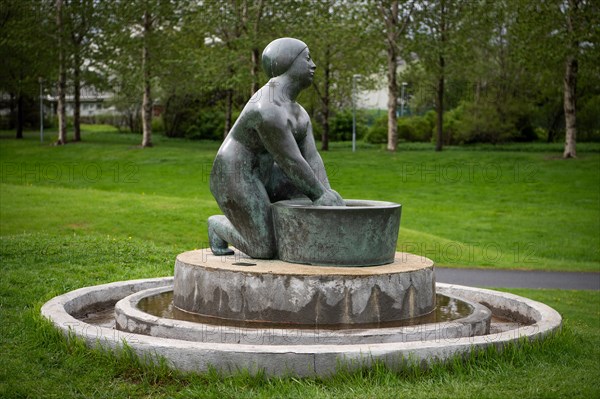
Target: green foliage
<point>190,117</point>
<point>504,61</point>
<point>416,128</point>
<point>340,128</point>
<point>472,122</point>
<point>31,111</point>
<point>340,51</point>
<point>588,120</point>
<point>209,124</point>
<point>378,131</point>
<point>454,125</point>
<point>482,123</point>
<point>27,49</point>
<point>158,125</point>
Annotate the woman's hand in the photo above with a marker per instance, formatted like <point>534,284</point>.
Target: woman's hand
<point>329,198</point>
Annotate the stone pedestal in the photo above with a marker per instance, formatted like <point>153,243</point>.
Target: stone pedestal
<point>272,291</point>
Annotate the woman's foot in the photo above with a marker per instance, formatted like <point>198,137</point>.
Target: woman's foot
<point>218,246</point>
<point>221,251</point>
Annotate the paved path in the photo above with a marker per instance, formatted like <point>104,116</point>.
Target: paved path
<point>518,278</point>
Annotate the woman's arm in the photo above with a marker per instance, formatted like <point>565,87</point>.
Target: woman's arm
<point>308,149</point>
<point>279,141</point>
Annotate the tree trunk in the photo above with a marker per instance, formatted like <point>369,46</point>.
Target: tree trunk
<point>326,101</point>
<point>439,103</point>
<point>554,124</point>
<point>20,115</point>
<point>255,70</point>
<point>439,109</point>
<point>147,98</point>
<point>62,79</point>
<point>392,32</point>
<point>131,121</point>
<point>394,28</point>
<point>228,111</point>
<point>570,86</point>
<point>392,104</point>
<point>325,133</point>
<point>570,100</point>
<point>256,59</point>
<point>77,99</point>
<point>13,112</point>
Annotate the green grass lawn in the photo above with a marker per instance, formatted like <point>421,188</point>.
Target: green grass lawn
<point>468,207</point>
<point>105,210</point>
<point>37,362</point>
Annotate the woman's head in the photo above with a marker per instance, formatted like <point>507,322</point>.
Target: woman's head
<point>280,54</point>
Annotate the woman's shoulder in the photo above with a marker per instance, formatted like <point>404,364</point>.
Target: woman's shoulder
<point>264,112</point>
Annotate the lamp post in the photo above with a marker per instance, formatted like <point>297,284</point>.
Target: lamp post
<point>354,79</point>
<point>402,99</point>
<point>41,109</point>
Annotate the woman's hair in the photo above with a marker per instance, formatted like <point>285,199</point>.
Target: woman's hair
<point>280,54</point>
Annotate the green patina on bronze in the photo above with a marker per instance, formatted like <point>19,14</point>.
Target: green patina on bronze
<point>269,156</point>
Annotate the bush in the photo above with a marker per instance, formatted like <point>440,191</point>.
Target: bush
<point>186,116</point>
<point>452,130</point>
<point>340,125</point>
<point>158,125</point>
<point>109,119</point>
<point>474,123</point>
<point>378,131</point>
<point>588,120</point>
<point>524,131</point>
<point>413,128</point>
<point>209,124</point>
<point>483,123</point>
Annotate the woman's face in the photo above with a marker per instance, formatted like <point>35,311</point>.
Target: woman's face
<point>303,69</point>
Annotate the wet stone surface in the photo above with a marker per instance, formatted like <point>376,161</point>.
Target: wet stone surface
<point>282,292</point>
<point>161,306</point>
<point>102,315</point>
<point>447,309</point>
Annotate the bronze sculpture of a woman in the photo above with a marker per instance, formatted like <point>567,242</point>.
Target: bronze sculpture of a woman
<point>269,155</point>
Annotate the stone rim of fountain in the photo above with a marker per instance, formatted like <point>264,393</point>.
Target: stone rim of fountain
<point>301,360</point>
<point>130,318</point>
<point>351,205</point>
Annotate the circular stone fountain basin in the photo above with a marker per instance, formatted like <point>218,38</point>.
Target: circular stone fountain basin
<point>363,233</point>
<point>532,320</point>
<point>150,312</point>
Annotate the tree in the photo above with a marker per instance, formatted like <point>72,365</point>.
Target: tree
<point>339,49</point>
<point>80,20</point>
<point>572,11</point>
<point>132,37</point>
<point>234,33</point>
<point>147,27</point>
<point>396,16</point>
<point>62,75</point>
<point>562,33</point>
<point>436,30</point>
<point>26,55</point>
<point>255,39</point>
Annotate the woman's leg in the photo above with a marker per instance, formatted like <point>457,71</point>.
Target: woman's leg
<point>247,222</point>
